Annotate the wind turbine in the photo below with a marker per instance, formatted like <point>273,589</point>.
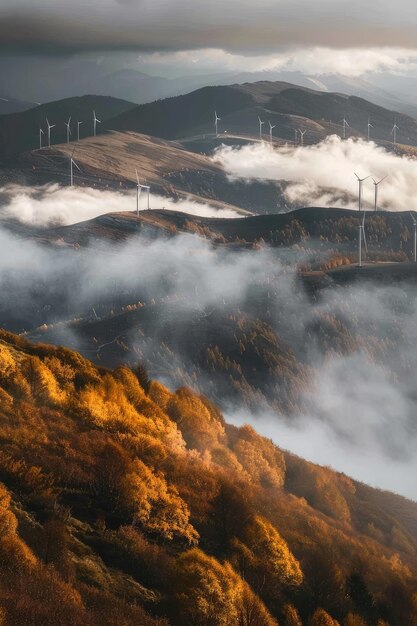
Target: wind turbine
<point>271,128</point>
<point>95,120</point>
<point>376,191</point>
<point>139,189</point>
<point>72,163</point>
<point>216,121</point>
<point>361,223</point>
<point>49,131</point>
<point>394,131</point>
<point>415,237</point>
<point>261,123</point>
<point>78,130</point>
<point>68,125</point>
<point>40,137</point>
<point>295,136</point>
<point>345,125</point>
<point>369,128</point>
<point>302,133</point>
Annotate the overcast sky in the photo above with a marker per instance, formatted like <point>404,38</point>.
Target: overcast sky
<point>169,37</point>
<point>248,26</point>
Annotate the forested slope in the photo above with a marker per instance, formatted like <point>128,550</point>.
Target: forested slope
<point>124,503</point>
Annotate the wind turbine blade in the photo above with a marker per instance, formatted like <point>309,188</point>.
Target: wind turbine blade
<point>74,163</point>
<point>137,176</point>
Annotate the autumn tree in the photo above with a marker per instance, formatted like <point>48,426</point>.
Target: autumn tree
<point>322,618</point>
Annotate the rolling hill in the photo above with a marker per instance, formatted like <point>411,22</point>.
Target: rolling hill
<point>19,132</point>
<point>110,160</point>
<point>288,106</point>
<point>124,502</point>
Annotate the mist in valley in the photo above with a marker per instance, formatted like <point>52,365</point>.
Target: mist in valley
<point>353,394</point>
<point>53,204</point>
<point>323,174</point>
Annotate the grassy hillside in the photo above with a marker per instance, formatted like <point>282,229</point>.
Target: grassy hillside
<point>124,503</point>
<point>20,131</point>
<point>287,106</point>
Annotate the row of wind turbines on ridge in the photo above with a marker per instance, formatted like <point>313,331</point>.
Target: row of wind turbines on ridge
<point>298,132</point>
<point>49,127</point>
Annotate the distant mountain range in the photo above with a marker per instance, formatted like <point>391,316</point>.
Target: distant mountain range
<point>55,79</point>
<point>12,105</point>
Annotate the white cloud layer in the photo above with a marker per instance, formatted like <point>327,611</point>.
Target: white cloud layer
<point>53,204</point>
<point>322,174</point>
<point>311,60</point>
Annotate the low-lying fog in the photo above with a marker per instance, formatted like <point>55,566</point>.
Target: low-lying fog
<point>53,204</point>
<point>361,403</point>
<point>323,174</point>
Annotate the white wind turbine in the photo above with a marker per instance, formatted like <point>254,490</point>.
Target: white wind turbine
<point>271,128</point>
<point>139,189</point>
<point>72,163</point>
<point>415,237</point>
<point>361,233</point>
<point>95,120</point>
<point>376,184</point>
<point>369,128</point>
<point>216,122</point>
<point>394,131</point>
<point>49,126</point>
<point>345,125</point>
<point>261,123</point>
<point>68,125</point>
<point>78,130</point>
<point>302,133</point>
<point>40,137</point>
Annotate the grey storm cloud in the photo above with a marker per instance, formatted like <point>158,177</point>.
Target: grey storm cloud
<point>54,26</point>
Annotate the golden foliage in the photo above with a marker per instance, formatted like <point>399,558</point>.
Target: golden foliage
<point>262,548</point>
<point>322,618</point>
<point>157,505</point>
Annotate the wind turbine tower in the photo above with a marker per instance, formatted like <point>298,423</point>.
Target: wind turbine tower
<point>68,125</point>
<point>261,123</point>
<point>415,237</point>
<point>376,184</point>
<point>345,125</point>
<point>72,163</point>
<point>361,233</point>
<point>138,190</point>
<point>78,130</point>
<point>394,131</point>
<point>49,126</point>
<point>216,122</point>
<point>95,120</point>
<point>369,128</point>
<point>271,128</point>
<point>302,133</point>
